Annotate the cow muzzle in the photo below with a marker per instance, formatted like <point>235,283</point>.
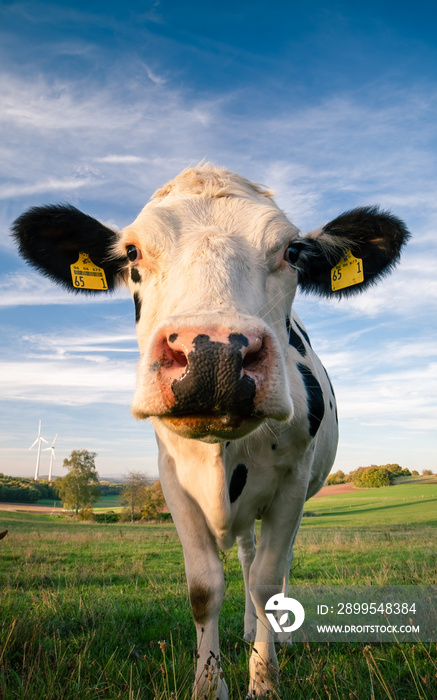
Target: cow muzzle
<point>208,383</point>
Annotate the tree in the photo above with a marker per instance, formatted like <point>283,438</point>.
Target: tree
<point>372,477</point>
<point>335,478</point>
<point>80,487</point>
<point>153,503</point>
<point>395,469</point>
<point>133,494</point>
<point>338,478</point>
<point>427,472</point>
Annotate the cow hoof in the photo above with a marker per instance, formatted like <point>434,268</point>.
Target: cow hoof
<point>263,679</point>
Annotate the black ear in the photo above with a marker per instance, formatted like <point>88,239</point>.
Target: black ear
<point>50,238</point>
<point>372,236</point>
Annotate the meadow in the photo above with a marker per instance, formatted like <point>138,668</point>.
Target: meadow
<point>94,611</point>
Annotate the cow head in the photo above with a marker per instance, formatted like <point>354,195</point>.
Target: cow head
<point>213,265</point>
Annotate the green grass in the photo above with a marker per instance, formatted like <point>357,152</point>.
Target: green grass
<point>108,502</point>
<point>84,606</point>
<point>403,506</point>
<point>104,503</point>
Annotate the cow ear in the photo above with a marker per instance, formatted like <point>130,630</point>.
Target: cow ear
<point>55,237</point>
<point>361,245</point>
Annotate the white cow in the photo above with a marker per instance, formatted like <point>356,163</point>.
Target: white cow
<point>243,409</point>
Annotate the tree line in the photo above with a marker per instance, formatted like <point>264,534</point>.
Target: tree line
<point>374,476</point>
<point>15,489</point>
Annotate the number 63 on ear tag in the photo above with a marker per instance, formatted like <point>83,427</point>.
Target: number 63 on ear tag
<point>347,272</point>
<point>86,275</point>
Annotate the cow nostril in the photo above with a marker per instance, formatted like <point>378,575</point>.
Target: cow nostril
<point>178,357</point>
<point>251,360</point>
<point>175,357</point>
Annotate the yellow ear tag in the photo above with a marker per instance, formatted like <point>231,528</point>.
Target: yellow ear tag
<point>86,275</point>
<point>347,272</point>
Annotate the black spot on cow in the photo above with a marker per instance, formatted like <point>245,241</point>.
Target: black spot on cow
<point>315,402</point>
<point>135,275</point>
<point>137,302</point>
<point>237,340</point>
<point>200,598</point>
<point>294,338</point>
<point>274,447</point>
<point>287,322</point>
<point>212,383</point>
<point>330,404</point>
<point>172,337</point>
<point>304,333</point>
<point>228,443</point>
<point>296,341</point>
<point>238,482</point>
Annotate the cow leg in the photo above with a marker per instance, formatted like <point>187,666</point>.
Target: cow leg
<point>267,578</point>
<point>246,555</point>
<point>205,580</point>
<point>206,589</point>
<point>285,637</point>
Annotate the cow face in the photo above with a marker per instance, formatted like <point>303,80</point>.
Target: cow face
<point>213,266</point>
<point>212,286</point>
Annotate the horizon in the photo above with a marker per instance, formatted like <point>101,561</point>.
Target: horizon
<point>333,107</point>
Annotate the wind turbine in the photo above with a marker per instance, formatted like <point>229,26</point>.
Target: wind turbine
<point>52,455</point>
<point>38,440</point>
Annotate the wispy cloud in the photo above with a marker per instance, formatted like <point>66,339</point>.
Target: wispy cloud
<point>68,383</point>
<point>48,186</point>
<point>154,77</point>
<point>73,343</point>
<point>28,288</point>
<point>71,366</point>
<point>409,292</point>
<point>314,156</point>
<point>117,159</point>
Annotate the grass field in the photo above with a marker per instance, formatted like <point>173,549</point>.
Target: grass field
<point>85,607</point>
<point>104,503</point>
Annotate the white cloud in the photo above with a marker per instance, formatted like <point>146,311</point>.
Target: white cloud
<point>406,293</point>
<point>154,77</point>
<point>67,383</point>
<point>27,288</point>
<point>387,382</point>
<point>72,366</point>
<point>120,159</point>
<point>409,292</point>
<point>50,185</point>
<point>67,344</point>
<point>319,159</point>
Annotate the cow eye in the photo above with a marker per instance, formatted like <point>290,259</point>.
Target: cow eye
<point>292,253</point>
<point>133,253</point>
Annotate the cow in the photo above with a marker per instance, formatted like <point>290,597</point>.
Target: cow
<point>243,410</point>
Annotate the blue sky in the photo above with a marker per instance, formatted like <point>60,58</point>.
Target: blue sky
<point>333,105</point>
